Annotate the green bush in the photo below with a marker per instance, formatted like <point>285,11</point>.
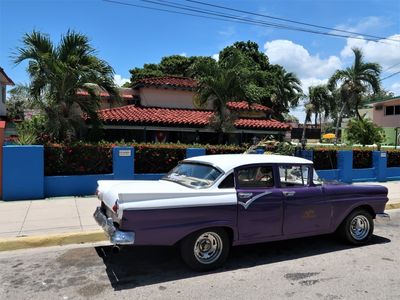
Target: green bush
<point>79,159</point>
<point>83,159</point>
<point>157,158</point>
<point>325,159</point>
<point>362,159</point>
<point>393,159</point>
<point>364,132</point>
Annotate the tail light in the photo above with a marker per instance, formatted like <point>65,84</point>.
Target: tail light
<point>115,206</point>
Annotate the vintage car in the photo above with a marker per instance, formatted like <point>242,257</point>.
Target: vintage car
<point>207,204</point>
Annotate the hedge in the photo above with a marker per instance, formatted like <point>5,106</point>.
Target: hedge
<point>325,159</point>
<point>393,159</point>
<point>83,159</point>
<point>362,159</point>
<point>77,159</point>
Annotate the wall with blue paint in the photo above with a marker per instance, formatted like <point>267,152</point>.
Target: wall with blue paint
<point>76,185</point>
<point>346,173</point>
<point>23,169</point>
<point>23,172</point>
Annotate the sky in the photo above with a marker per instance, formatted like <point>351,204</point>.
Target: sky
<point>127,36</point>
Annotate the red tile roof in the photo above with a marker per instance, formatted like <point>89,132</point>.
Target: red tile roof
<point>8,79</point>
<point>244,105</point>
<point>260,123</point>
<point>178,117</point>
<point>126,93</point>
<point>157,116</point>
<point>168,81</point>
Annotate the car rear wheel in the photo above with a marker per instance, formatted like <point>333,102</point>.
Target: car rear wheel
<point>358,227</point>
<point>205,250</point>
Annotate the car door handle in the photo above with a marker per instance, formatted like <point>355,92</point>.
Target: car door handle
<point>289,194</point>
<point>245,195</point>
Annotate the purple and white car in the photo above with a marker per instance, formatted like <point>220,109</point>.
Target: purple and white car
<point>207,204</point>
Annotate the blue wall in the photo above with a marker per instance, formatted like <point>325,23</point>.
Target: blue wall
<point>23,172</point>
<point>77,185</point>
<point>346,173</point>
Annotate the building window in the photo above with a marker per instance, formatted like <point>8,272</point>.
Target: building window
<point>392,110</point>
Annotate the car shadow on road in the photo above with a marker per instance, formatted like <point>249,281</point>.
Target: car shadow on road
<point>140,266</point>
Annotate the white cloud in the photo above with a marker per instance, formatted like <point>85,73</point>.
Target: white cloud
<point>295,58</point>
<point>215,56</point>
<point>395,88</point>
<point>183,54</point>
<point>386,52</point>
<point>118,80</point>
<point>365,24</point>
<point>227,32</point>
<point>311,81</point>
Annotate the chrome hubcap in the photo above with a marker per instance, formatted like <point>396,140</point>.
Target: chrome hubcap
<point>359,227</point>
<point>208,247</point>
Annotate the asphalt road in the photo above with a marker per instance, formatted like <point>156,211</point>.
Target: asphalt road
<point>310,268</point>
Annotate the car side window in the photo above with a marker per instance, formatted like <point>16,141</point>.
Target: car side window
<point>255,177</point>
<point>228,182</point>
<point>293,176</point>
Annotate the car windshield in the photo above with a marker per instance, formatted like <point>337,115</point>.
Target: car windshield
<point>193,175</point>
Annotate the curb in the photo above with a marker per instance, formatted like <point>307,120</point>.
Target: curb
<point>392,206</point>
<point>62,239</point>
<point>7,244</point>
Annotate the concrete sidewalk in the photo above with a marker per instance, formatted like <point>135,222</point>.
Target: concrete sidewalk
<point>48,216</point>
<point>66,220</point>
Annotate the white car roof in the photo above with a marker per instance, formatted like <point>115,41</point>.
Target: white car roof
<point>227,162</point>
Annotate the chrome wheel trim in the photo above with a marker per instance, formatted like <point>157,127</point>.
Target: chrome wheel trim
<point>359,227</point>
<point>208,247</point>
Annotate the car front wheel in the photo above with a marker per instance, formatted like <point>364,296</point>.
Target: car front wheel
<point>206,249</point>
<point>358,227</point>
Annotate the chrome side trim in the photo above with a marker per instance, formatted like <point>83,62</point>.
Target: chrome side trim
<point>382,218</point>
<point>251,200</point>
<point>117,237</point>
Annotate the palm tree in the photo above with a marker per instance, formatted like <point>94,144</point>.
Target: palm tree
<point>219,84</point>
<point>57,72</point>
<point>286,91</point>
<point>355,81</point>
<point>320,104</point>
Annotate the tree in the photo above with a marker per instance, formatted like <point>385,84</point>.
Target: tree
<point>173,65</point>
<point>355,81</point>
<point>220,83</point>
<point>57,72</point>
<point>363,131</point>
<point>19,99</point>
<point>286,91</point>
<point>250,50</point>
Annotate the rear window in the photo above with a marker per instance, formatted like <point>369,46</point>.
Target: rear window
<point>256,177</point>
<point>294,176</point>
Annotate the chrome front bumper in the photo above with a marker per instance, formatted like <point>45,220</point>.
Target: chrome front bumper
<point>382,218</point>
<point>117,237</point>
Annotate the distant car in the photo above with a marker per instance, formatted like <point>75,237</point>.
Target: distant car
<point>207,204</point>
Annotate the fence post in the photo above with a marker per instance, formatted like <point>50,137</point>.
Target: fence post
<point>345,165</point>
<point>23,172</point>
<point>123,163</point>
<point>379,162</point>
<point>192,152</point>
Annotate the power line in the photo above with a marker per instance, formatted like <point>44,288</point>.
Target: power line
<point>387,69</point>
<point>390,75</point>
<point>288,20</point>
<point>251,21</point>
<point>194,11</point>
